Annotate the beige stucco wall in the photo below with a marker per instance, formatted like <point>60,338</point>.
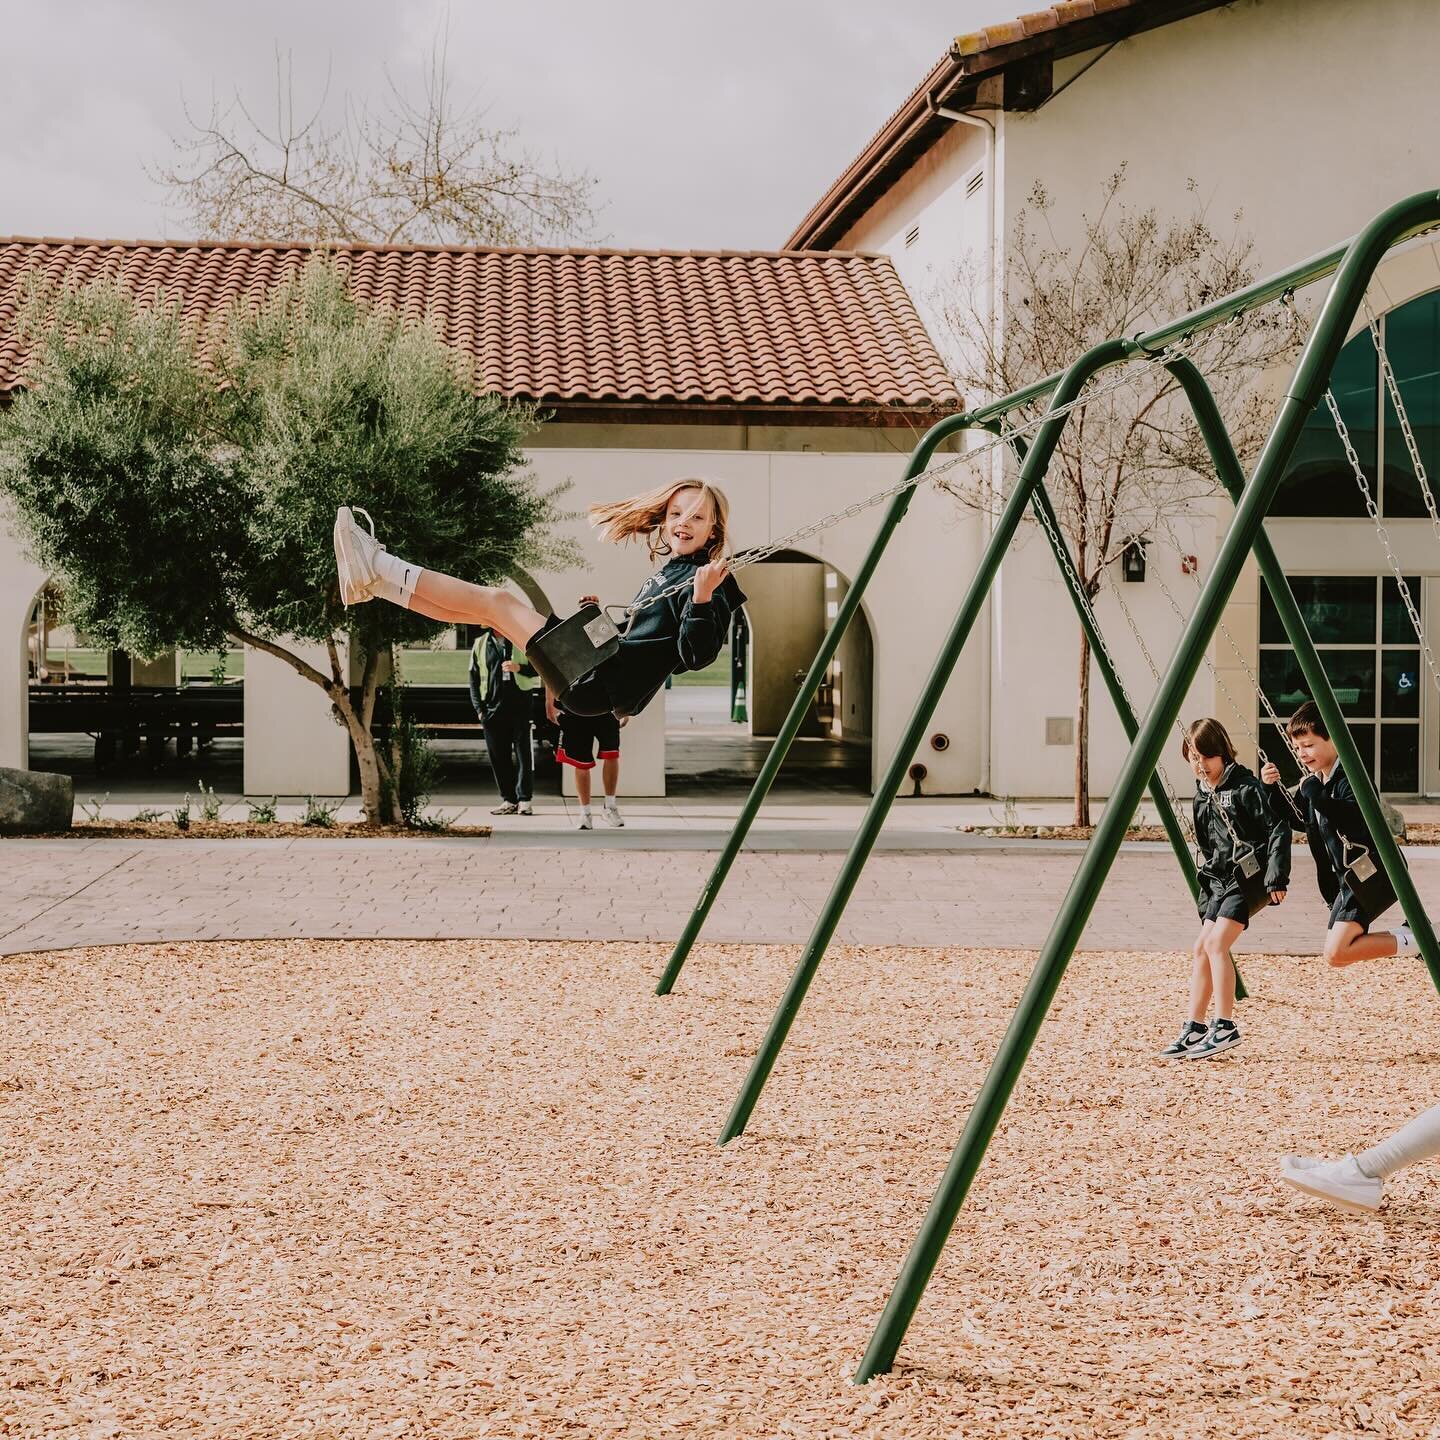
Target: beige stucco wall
<point>787,623</point>
<point>1309,116</point>
<point>20,582</point>
<point>909,604</point>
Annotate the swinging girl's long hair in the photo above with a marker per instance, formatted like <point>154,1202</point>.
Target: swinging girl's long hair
<point>644,516</point>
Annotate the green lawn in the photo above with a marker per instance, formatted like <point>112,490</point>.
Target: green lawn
<point>417,667</point>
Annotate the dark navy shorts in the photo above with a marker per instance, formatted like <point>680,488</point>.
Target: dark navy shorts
<point>1347,907</point>
<point>1225,903</point>
<point>582,735</point>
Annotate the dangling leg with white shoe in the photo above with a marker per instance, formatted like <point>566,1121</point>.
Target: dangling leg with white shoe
<point>369,572</point>
<point>1357,1182</point>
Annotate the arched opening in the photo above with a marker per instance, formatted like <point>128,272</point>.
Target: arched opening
<point>116,723</point>
<point>721,722</point>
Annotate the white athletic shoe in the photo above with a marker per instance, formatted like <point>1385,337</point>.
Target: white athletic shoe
<point>525,808</point>
<point>612,816</point>
<point>355,553</point>
<point>586,823</point>
<point>1341,1182</point>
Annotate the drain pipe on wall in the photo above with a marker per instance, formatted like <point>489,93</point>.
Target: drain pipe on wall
<point>978,122</point>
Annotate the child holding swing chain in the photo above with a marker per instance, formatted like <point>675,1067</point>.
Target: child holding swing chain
<point>685,522</point>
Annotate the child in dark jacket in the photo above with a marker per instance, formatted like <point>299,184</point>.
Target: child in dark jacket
<point>1244,863</point>
<point>1344,850</point>
<point>685,520</point>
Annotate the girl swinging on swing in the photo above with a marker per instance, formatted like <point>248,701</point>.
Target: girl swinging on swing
<point>685,521</point>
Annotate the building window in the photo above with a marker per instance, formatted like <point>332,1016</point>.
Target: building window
<point>1319,480</point>
<point>1367,645</point>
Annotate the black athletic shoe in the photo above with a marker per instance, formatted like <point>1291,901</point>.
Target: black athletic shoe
<point>1192,1035</point>
<point>1223,1035</point>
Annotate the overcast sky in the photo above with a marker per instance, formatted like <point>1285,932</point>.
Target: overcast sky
<point>706,126</point>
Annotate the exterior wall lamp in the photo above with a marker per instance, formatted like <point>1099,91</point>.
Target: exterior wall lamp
<point>1132,560</point>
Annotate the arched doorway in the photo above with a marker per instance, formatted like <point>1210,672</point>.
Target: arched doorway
<point>721,722</point>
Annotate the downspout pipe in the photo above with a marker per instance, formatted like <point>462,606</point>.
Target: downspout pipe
<point>987,128</point>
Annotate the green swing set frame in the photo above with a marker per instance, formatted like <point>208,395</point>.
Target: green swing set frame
<point>1352,264</point>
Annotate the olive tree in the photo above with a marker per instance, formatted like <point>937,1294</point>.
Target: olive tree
<point>181,483</point>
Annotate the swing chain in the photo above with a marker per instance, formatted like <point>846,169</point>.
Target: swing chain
<point>1124,376</point>
<point>1392,385</point>
<point>1383,533</point>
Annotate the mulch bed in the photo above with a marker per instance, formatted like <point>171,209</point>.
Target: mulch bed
<point>472,1189</point>
<point>244,830</point>
<point>1417,834</point>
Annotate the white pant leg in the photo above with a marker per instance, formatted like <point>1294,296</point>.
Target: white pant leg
<point>1419,1140</point>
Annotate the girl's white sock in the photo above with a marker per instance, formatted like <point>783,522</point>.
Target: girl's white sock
<point>400,574</point>
<point>384,589</point>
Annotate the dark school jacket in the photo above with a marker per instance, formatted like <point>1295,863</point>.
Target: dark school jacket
<point>1332,811</point>
<point>1257,823</point>
<point>669,636</point>
<point>490,686</point>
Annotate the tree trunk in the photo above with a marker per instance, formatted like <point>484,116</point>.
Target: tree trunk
<point>1082,738</point>
<point>373,771</point>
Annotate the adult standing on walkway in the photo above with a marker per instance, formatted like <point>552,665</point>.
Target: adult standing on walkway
<point>500,689</point>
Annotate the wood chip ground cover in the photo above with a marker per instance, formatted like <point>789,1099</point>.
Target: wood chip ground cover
<point>472,1189</point>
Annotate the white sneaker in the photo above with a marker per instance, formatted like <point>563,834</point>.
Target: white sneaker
<point>355,553</point>
<point>586,823</point>
<point>1341,1182</point>
<point>525,808</point>
<point>612,816</point>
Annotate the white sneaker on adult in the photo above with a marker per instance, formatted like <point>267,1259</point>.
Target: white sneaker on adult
<point>355,553</point>
<point>525,808</point>
<point>1341,1182</point>
<point>612,815</point>
<point>586,821</point>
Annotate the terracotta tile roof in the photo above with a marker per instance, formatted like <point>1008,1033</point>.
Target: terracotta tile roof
<point>578,326</point>
<point>1058,30</point>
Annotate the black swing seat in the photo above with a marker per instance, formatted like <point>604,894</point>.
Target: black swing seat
<point>1250,875</point>
<point>569,651</point>
<point>1366,879</point>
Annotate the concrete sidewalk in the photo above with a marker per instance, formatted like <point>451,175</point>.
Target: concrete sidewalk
<point>60,893</point>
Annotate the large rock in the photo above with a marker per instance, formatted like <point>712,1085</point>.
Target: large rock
<point>32,801</point>
<point>1393,818</point>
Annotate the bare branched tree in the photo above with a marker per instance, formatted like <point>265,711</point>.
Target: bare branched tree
<point>425,170</point>
<point>1132,460</point>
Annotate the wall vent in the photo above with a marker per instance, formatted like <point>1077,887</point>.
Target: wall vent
<point>977,181</point>
<point>911,236</point>
<point>1059,729</point>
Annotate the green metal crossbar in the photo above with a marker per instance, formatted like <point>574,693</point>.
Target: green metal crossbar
<point>1355,263</point>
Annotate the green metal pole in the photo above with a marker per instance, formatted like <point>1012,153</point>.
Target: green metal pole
<point>1050,523</point>
<point>1040,499</point>
<point>919,459</point>
<point>1227,465</point>
<point>885,791</point>
<point>1316,363</point>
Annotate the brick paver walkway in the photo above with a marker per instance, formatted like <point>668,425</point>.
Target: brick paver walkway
<point>59,893</point>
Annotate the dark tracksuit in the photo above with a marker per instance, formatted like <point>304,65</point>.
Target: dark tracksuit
<point>663,639</point>
<point>1331,812</point>
<point>502,702</point>
<point>1257,822</point>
